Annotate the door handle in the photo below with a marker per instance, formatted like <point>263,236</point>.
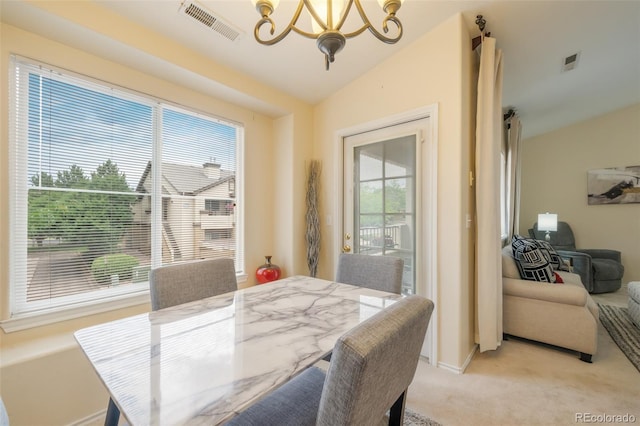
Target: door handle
<point>346,248</point>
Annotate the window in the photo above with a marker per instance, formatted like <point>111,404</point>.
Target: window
<point>219,207</point>
<point>218,234</point>
<point>504,213</point>
<point>108,184</point>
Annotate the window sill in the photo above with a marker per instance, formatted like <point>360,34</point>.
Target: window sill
<point>33,320</point>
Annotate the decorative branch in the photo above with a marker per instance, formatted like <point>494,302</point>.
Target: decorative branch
<point>312,234</point>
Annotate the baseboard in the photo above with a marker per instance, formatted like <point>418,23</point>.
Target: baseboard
<point>459,370</point>
<point>91,420</point>
<point>470,357</point>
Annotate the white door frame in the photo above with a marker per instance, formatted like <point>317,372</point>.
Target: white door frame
<point>429,165</point>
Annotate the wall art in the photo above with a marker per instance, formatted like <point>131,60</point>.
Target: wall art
<point>618,185</point>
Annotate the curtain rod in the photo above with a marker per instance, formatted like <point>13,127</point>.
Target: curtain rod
<point>477,41</point>
<point>509,114</point>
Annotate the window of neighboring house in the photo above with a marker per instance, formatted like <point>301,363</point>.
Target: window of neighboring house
<point>218,234</point>
<point>219,207</point>
<point>106,185</point>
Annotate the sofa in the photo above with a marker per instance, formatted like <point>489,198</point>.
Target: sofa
<point>562,315</point>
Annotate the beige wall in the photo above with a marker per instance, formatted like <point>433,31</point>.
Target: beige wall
<point>554,179</point>
<point>292,150</point>
<point>436,69</point>
<point>42,367</point>
<point>433,70</point>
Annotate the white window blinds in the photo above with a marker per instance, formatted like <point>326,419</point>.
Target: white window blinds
<point>108,184</point>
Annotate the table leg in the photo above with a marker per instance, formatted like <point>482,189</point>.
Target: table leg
<point>113,414</point>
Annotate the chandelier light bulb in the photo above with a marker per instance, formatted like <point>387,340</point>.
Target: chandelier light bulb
<point>390,6</point>
<point>265,7</point>
<point>322,9</point>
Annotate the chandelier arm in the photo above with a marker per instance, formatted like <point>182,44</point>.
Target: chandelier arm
<point>284,33</point>
<point>385,28</point>
<point>373,30</point>
<point>343,18</point>
<point>305,33</point>
<point>360,30</point>
<point>377,34</point>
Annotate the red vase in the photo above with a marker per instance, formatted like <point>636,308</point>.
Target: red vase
<point>267,272</point>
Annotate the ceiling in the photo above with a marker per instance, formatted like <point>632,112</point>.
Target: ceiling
<point>535,37</point>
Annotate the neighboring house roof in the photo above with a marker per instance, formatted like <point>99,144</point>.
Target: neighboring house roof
<point>185,179</point>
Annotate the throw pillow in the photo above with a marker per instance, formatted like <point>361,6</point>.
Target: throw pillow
<point>554,258</point>
<point>532,264</point>
<point>559,279</point>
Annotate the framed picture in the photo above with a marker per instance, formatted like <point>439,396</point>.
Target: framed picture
<point>618,185</point>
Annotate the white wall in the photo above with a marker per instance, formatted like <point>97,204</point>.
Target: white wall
<point>554,179</point>
<point>433,70</point>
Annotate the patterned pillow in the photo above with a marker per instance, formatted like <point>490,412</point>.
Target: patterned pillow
<point>552,255</point>
<point>532,264</point>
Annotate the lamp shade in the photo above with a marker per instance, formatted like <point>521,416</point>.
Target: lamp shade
<point>547,222</point>
<point>322,9</point>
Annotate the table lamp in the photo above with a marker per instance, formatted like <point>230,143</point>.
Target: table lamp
<point>547,222</point>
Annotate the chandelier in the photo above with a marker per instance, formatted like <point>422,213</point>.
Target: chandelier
<point>327,18</point>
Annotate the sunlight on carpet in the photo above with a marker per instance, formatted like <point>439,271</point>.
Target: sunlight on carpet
<point>411,418</point>
<point>624,333</point>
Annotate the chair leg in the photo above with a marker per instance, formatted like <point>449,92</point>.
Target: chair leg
<point>113,414</point>
<point>585,357</point>
<point>396,414</point>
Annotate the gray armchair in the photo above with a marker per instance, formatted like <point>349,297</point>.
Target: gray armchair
<point>601,270</point>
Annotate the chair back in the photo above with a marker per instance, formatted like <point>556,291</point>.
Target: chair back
<point>562,239</point>
<point>185,282</point>
<point>376,272</point>
<point>373,364</point>
<point>4,417</point>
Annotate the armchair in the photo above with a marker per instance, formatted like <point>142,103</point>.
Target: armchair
<point>601,270</point>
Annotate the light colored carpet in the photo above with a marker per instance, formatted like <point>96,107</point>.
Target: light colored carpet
<point>523,383</point>
<point>622,330</point>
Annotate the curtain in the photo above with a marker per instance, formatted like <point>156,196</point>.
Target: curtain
<point>513,134</point>
<point>489,131</point>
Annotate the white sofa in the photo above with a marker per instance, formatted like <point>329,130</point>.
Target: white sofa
<point>562,315</point>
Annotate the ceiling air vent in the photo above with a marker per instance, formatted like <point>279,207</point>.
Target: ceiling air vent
<point>570,62</point>
<point>205,17</point>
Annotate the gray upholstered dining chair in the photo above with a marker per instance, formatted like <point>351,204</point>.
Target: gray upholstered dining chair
<point>185,282</point>
<point>179,283</point>
<point>4,417</point>
<point>376,272</point>
<point>372,367</point>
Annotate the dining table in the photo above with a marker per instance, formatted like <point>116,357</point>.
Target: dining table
<point>203,362</point>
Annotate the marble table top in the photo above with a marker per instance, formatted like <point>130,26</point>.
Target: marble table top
<point>205,361</point>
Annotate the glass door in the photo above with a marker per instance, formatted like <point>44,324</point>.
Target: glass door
<point>381,192</point>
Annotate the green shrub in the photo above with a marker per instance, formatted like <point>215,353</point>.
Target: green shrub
<point>122,265</point>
